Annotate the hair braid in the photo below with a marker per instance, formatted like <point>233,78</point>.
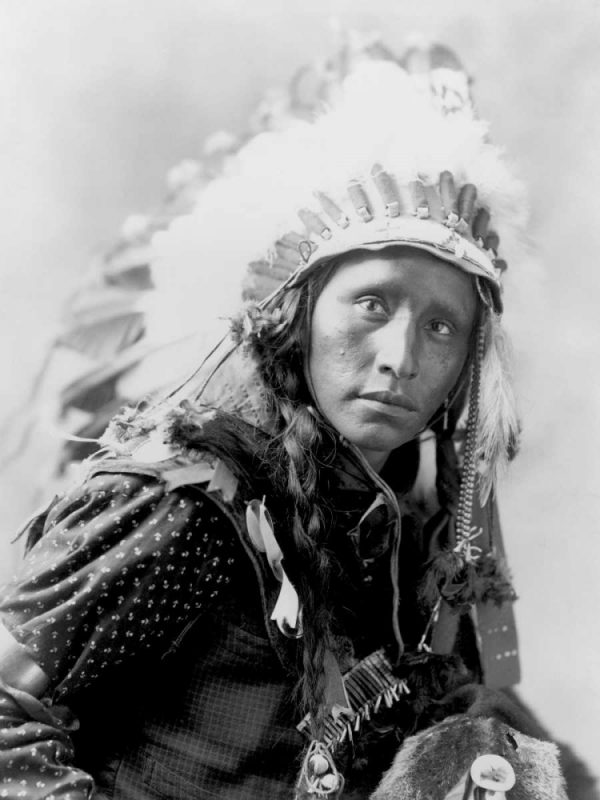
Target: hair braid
<point>301,439</point>
<point>278,343</point>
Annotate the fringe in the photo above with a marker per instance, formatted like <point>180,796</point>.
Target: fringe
<point>370,685</point>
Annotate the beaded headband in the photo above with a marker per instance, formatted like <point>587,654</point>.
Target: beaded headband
<point>438,218</point>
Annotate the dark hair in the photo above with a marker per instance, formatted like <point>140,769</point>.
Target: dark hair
<point>298,455</point>
<point>304,445</point>
<point>294,457</point>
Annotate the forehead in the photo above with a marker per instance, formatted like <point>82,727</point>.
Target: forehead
<point>406,271</point>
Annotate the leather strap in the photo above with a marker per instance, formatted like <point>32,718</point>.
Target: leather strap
<point>496,626</point>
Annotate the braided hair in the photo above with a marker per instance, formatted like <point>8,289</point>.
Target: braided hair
<point>277,338</point>
<point>293,461</point>
<point>303,444</point>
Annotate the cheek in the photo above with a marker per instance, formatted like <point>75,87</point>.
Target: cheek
<point>444,370</point>
<point>330,361</point>
<point>335,347</point>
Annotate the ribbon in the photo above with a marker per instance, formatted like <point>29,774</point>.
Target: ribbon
<point>286,613</point>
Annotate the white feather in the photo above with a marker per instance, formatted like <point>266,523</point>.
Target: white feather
<point>498,429</point>
<point>381,115</point>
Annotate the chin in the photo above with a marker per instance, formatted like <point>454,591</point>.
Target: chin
<point>382,441</point>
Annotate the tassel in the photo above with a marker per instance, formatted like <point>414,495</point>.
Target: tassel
<point>444,569</point>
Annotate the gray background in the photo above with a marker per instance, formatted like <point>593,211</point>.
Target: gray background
<point>99,99</point>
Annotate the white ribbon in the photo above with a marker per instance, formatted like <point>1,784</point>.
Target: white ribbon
<point>286,613</point>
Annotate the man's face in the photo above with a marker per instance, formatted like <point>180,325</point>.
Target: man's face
<point>389,335</point>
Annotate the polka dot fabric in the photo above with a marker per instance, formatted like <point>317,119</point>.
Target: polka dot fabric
<point>35,757</point>
<point>123,566</point>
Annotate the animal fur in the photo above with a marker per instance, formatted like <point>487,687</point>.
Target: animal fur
<point>431,763</point>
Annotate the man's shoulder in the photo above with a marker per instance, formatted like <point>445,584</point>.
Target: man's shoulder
<point>175,472</point>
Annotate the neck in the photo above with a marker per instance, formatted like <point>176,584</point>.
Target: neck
<point>375,458</point>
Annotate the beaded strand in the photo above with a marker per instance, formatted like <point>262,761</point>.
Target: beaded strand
<point>469,471</point>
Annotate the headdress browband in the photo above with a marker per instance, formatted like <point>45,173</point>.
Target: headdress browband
<point>436,217</point>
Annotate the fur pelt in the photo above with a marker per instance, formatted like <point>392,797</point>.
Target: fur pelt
<point>431,763</point>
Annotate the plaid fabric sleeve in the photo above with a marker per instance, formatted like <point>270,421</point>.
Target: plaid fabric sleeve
<point>123,565</point>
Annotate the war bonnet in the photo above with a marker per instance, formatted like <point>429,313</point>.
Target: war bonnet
<point>396,156</point>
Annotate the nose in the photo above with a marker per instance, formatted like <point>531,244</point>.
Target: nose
<point>398,349</point>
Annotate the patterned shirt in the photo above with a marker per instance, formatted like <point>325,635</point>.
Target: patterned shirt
<point>122,567</point>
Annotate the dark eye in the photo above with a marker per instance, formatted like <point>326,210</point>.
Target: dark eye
<point>372,305</point>
<point>441,328</point>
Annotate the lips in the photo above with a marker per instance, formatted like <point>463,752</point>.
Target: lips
<point>392,399</point>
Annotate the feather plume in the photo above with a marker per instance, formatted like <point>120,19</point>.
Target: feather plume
<point>499,428</point>
<point>381,115</point>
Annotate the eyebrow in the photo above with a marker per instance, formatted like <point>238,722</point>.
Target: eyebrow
<point>452,310</point>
